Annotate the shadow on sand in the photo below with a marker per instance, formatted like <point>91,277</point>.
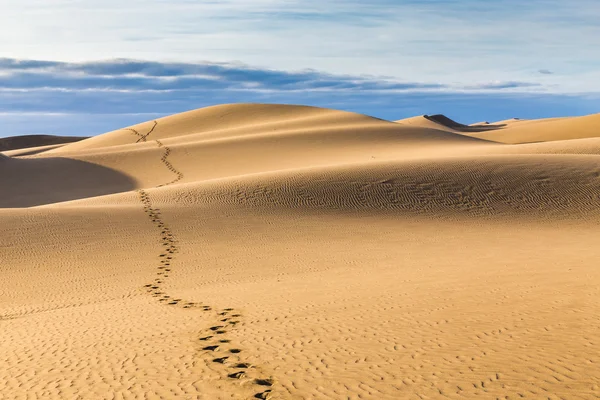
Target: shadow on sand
<point>35,182</point>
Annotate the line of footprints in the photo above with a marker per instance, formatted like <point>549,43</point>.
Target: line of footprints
<point>168,164</point>
<point>214,340</point>
<point>142,138</point>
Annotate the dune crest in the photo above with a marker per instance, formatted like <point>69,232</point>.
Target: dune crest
<point>28,141</point>
<point>546,130</point>
<point>291,252</point>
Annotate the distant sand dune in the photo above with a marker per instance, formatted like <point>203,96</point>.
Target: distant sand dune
<point>449,123</point>
<point>440,121</point>
<point>291,252</point>
<point>547,130</point>
<point>27,141</point>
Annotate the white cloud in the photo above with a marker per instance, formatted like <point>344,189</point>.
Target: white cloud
<point>433,41</point>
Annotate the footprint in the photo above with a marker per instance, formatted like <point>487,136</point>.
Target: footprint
<point>264,382</point>
<point>235,351</point>
<point>263,395</point>
<point>242,365</point>
<point>225,341</point>
<point>220,360</point>
<point>237,375</point>
<point>211,348</point>
<point>206,338</point>
<point>216,328</point>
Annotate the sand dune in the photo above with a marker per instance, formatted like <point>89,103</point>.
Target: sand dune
<point>291,252</point>
<point>546,130</point>
<point>442,122</point>
<point>27,141</point>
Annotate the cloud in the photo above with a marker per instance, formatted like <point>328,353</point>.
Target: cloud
<point>502,85</point>
<point>545,71</point>
<point>439,41</point>
<point>124,75</point>
<point>92,97</point>
<point>93,113</point>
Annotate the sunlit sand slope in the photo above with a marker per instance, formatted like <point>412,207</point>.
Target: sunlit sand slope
<point>289,252</point>
<point>516,131</point>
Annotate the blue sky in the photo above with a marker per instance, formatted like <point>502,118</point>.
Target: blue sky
<point>88,66</point>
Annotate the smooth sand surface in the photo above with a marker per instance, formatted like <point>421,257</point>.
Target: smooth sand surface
<point>288,252</point>
<point>29,141</point>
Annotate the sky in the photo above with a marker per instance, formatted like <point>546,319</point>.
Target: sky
<point>84,67</point>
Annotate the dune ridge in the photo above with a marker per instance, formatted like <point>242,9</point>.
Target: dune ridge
<point>292,252</point>
<point>28,141</point>
<point>449,123</point>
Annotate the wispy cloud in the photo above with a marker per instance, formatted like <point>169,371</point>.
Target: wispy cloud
<point>94,97</point>
<point>433,41</point>
<point>98,96</point>
<point>143,76</point>
<point>389,58</point>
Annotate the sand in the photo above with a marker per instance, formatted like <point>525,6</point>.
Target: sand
<point>289,252</point>
<point>31,141</point>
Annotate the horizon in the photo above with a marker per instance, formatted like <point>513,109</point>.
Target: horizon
<point>158,116</point>
<point>86,70</point>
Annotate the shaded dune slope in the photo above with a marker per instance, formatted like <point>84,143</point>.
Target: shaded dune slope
<point>27,183</point>
<point>29,151</point>
<point>449,123</point>
<point>27,141</point>
<point>441,122</point>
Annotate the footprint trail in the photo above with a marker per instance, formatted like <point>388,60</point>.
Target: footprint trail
<point>142,138</point>
<point>214,343</point>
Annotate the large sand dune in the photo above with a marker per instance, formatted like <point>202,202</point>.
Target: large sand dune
<point>289,252</point>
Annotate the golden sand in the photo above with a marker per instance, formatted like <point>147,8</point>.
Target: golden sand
<point>289,252</point>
